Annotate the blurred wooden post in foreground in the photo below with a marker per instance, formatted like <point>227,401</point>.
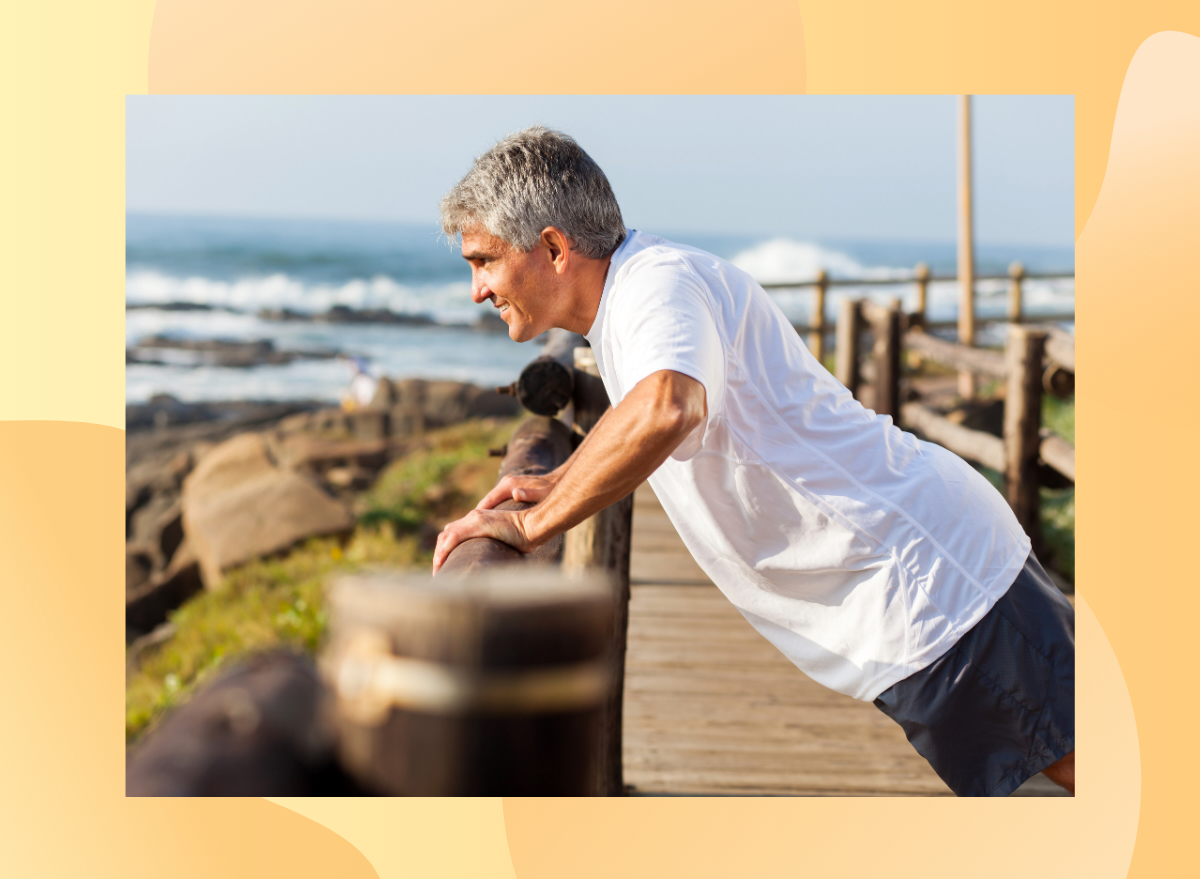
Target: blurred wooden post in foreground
<point>1022,421</point>
<point>491,683</point>
<point>816,338</point>
<point>849,332</point>
<point>966,246</point>
<point>603,543</point>
<point>1016,274</point>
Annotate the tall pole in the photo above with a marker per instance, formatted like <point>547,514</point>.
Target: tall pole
<point>966,248</point>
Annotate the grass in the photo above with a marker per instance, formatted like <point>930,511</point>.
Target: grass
<point>444,477</point>
<point>280,602</point>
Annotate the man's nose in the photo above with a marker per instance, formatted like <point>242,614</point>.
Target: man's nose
<point>480,292</point>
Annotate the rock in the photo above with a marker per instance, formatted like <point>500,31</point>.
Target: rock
<point>256,731</point>
<point>238,506</point>
<point>229,353</point>
<point>370,424</point>
<point>313,454</point>
<point>157,524</point>
<point>490,404</point>
<point>350,478</point>
<point>147,606</point>
<point>139,562</point>
<point>385,394</point>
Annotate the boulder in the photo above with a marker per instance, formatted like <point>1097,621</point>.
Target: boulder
<point>238,505</point>
<point>313,454</point>
<point>139,562</point>
<point>157,523</point>
<point>147,605</point>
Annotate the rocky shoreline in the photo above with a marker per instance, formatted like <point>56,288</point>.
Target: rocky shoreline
<point>213,485</point>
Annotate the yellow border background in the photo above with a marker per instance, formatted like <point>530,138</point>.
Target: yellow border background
<point>67,67</point>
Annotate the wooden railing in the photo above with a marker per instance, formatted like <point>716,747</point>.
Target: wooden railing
<point>465,638</point>
<point>817,327</point>
<point>1036,359</point>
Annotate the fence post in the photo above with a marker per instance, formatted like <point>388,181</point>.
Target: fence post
<point>849,332</point>
<point>921,278</point>
<point>816,338</point>
<point>1022,422</point>
<point>888,333</point>
<point>603,542</point>
<point>1016,273</point>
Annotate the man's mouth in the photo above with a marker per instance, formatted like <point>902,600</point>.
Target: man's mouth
<point>502,306</point>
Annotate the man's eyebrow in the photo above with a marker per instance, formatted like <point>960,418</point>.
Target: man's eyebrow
<point>478,254</point>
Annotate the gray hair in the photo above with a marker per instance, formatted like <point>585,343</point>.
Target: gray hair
<point>533,179</point>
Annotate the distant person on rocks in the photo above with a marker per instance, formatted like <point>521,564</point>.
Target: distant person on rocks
<point>884,567</point>
<point>362,386</point>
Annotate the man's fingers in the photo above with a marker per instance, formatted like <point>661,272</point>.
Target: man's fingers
<point>499,494</point>
<point>446,542</point>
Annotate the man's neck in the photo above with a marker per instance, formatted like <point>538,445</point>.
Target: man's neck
<point>585,295</point>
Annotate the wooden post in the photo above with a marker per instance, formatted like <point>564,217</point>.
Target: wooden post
<point>603,543</point>
<point>816,338</point>
<point>849,332</point>
<point>966,247</point>
<point>921,278</point>
<point>1016,274</point>
<point>488,684</point>
<point>1022,422</point>
<point>888,334</point>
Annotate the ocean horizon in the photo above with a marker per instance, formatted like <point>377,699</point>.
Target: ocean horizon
<point>230,278</point>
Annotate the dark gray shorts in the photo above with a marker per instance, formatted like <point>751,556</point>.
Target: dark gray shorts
<point>999,706</point>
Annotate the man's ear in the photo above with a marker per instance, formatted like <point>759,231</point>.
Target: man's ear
<point>558,247</point>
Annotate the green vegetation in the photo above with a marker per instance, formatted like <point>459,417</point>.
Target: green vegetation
<point>449,472</point>
<point>280,602</point>
<point>1058,505</point>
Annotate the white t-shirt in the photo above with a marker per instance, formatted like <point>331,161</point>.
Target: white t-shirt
<point>859,551</point>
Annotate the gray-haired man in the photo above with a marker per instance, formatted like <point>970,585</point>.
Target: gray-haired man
<point>883,567</point>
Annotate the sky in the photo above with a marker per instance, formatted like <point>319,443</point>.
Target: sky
<point>878,168</point>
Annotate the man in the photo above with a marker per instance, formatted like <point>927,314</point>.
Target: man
<point>882,566</point>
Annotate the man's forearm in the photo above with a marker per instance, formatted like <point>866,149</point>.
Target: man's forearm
<point>587,438</point>
<point>622,449</point>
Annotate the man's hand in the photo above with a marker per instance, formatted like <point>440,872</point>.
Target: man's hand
<point>624,447</point>
<point>519,488</point>
<point>504,525</point>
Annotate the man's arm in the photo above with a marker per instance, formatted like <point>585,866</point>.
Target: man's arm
<point>626,445</point>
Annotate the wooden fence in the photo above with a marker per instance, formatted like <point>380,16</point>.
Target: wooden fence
<point>1035,360</point>
<point>817,328</point>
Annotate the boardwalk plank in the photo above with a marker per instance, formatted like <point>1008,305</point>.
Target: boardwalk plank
<point>712,708</point>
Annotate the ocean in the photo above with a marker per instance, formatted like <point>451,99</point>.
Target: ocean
<point>190,279</point>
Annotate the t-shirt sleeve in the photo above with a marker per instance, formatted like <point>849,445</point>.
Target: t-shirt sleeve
<point>664,321</point>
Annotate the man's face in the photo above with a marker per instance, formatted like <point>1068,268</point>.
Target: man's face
<point>520,284</point>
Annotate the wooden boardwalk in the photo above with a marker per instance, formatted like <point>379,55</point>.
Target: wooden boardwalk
<point>712,708</point>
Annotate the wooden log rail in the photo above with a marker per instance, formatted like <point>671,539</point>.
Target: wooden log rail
<point>1034,359</point>
<point>539,445</point>
<point>564,381</point>
<point>921,278</point>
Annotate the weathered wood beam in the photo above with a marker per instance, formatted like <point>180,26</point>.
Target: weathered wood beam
<point>1022,423</point>
<point>962,357</point>
<point>602,543</point>
<point>974,445</point>
<point>1060,348</point>
<point>1058,453</point>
